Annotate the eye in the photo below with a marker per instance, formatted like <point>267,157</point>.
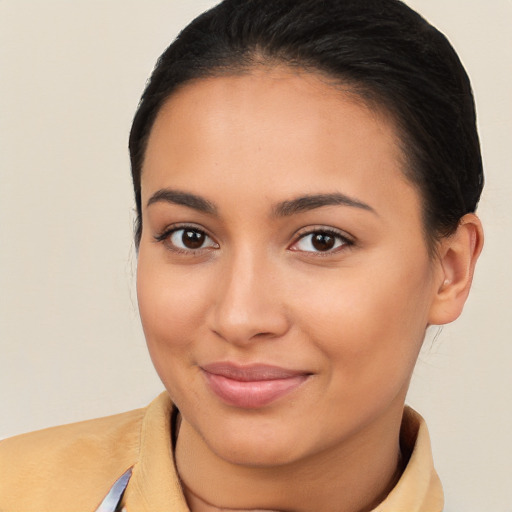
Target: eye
<point>186,239</point>
<point>321,241</point>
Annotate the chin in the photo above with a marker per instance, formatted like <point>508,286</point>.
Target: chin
<point>260,445</point>
<point>256,454</point>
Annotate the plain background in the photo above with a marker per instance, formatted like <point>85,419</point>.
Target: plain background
<point>71,73</point>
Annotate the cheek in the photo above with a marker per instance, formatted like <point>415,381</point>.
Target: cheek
<point>370,326</point>
<point>170,306</point>
<point>171,303</point>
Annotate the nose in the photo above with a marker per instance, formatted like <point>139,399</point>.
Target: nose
<point>248,301</point>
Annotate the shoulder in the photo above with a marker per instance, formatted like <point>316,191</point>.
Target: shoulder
<point>73,462</point>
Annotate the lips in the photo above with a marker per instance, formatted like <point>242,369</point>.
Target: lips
<point>251,386</point>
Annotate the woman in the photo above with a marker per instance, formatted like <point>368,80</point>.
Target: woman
<point>306,175</point>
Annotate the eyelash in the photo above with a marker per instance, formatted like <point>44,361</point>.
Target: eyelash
<point>345,242</point>
<point>165,238</point>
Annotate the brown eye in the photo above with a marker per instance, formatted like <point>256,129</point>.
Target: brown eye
<point>323,241</point>
<point>192,239</point>
<point>189,239</point>
<point>320,241</point>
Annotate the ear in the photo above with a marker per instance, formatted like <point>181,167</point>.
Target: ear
<point>457,256</point>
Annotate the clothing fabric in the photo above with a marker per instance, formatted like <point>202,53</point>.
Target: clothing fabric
<point>72,468</point>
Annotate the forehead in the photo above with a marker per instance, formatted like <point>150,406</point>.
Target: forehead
<point>272,127</point>
<point>260,95</point>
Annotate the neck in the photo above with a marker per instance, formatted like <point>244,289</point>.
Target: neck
<point>353,477</point>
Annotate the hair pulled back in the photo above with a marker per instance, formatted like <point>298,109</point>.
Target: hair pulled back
<point>379,49</point>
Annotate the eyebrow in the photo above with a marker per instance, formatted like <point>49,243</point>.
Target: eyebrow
<point>282,209</point>
<point>311,202</point>
<point>184,199</point>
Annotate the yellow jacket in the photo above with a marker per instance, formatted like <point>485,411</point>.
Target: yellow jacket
<point>72,468</point>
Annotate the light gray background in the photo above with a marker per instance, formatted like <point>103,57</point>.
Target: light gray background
<point>71,73</point>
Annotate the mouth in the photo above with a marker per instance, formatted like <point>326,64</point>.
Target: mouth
<point>251,386</point>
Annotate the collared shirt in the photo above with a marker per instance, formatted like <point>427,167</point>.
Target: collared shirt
<point>126,461</point>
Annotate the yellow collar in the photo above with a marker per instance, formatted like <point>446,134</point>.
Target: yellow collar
<point>155,485</point>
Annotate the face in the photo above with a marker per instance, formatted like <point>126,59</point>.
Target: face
<point>284,282</point>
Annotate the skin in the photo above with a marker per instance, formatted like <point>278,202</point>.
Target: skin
<point>352,318</point>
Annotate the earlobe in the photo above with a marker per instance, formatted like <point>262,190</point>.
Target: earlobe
<point>458,255</point>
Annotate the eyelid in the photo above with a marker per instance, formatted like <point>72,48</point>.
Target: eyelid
<point>164,237</point>
<point>347,240</point>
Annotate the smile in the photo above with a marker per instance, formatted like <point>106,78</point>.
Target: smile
<point>251,387</point>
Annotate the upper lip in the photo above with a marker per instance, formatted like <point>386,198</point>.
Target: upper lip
<point>251,372</point>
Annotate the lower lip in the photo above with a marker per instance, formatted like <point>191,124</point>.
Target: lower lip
<point>252,394</point>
